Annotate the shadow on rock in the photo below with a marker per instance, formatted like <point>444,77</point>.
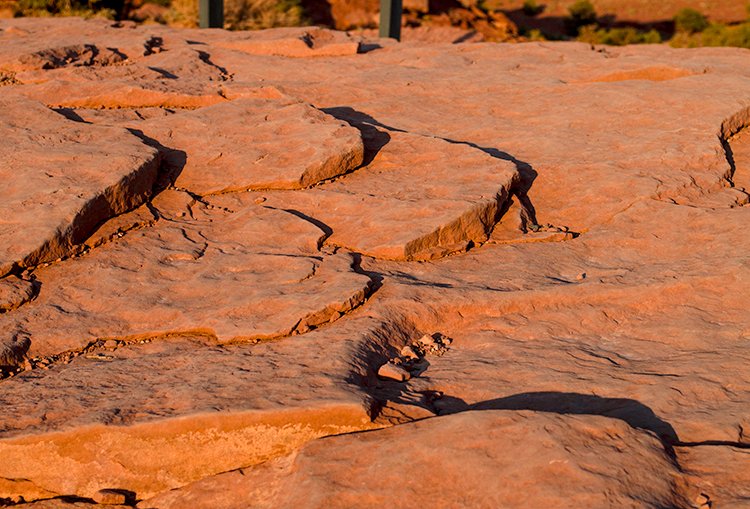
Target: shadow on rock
<point>634,413</point>
<point>375,137</point>
<point>172,161</point>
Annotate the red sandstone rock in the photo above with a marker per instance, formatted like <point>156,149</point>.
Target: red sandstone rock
<point>260,286</point>
<point>36,44</point>
<point>637,152</point>
<point>476,459</point>
<point>14,292</point>
<point>390,371</point>
<point>171,411</point>
<point>109,496</point>
<point>46,207</point>
<point>721,474</point>
<point>211,150</point>
<point>293,42</point>
<point>419,198</point>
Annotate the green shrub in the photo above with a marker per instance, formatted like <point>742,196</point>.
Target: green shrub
<point>531,8</point>
<point>257,14</point>
<point>738,36</point>
<point>717,34</point>
<point>580,14</point>
<point>535,35</point>
<point>617,36</point>
<point>84,8</point>
<point>690,21</point>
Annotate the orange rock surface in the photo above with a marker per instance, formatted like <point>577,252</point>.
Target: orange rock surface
<point>213,242</point>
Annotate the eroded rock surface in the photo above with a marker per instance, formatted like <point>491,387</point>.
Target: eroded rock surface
<point>515,459</point>
<point>419,198</point>
<point>247,275</point>
<point>43,44</point>
<point>293,42</point>
<point>62,179</point>
<point>573,218</point>
<point>212,150</point>
<point>224,407</point>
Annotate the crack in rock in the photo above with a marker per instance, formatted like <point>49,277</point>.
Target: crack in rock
<point>255,277</point>
<point>52,211</point>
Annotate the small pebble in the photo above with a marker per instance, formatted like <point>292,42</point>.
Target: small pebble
<point>702,500</point>
<point>409,352</point>
<point>110,344</point>
<point>427,340</point>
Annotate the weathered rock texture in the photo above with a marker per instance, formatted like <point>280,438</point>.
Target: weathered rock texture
<point>212,242</point>
<point>411,206</point>
<point>527,459</point>
<point>61,179</point>
<point>213,150</point>
<point>260,270</point>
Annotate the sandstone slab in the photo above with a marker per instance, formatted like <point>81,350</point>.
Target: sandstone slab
<point>182,77</point>
<point>14,292</point>
<point>484,459</point>
<point>43,44</point>
<point>159,414</point>
<point>529,341</point>
<point>721,472</point>
<point>637,152</point>
<point>407,204</point>
<point>233,276</point>
<point>47,207</point>
<point>293,42</point>
<point>234,146</point>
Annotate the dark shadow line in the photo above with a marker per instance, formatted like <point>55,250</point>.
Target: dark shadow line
<point>70,114</point>
<point>206,59</point>
<point>164,73</point>
<point>327,230</point>
<point>374,139</point>
<point>634,413</point>
<point>172,161</point>
<point>468,35</point>
<point>730,159</point>
<point>714,443</point>
<point>376,277</point>
<point>368,127</point>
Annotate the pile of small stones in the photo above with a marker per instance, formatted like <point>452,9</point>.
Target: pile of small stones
<point>537,228</point>
<point>412,356</point>
<point>91,351</point>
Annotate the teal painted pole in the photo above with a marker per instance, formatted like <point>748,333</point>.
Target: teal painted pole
<point>390,18</point>
<point>211,13</point>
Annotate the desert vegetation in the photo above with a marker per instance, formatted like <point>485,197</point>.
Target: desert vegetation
<point>495,20</point>
<point>239,14</point>
<point>691,28</point>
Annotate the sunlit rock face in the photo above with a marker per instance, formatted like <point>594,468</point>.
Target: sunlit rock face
<point>295,268</point>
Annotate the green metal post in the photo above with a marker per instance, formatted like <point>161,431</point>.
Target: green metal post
<point>211,13</point>
<point>390,18</point>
